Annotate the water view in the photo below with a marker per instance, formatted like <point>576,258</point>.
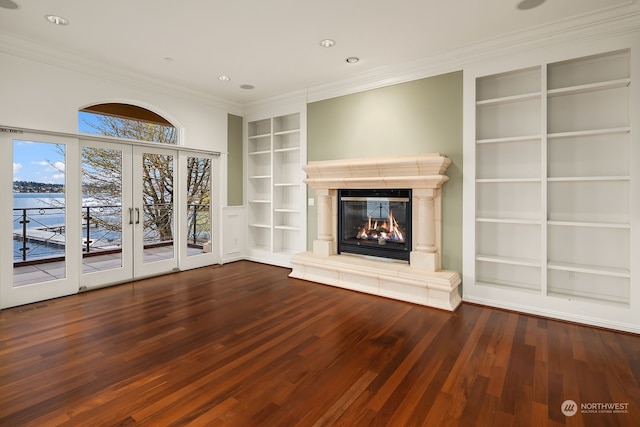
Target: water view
<point>43,215</point>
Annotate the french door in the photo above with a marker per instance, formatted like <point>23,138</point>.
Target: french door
<point>115,212</point>
<point>143,227</point>
<point>129,215</point>
<point>39,206</point>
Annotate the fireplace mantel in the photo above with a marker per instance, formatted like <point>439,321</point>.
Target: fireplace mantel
<point>420,171</point>
<point>421,281</point>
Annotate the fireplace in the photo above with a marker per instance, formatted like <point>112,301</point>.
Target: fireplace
<point>375,222</point>
<point>363,194</point>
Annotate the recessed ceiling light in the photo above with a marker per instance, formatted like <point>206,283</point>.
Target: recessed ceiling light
<point>224,78</point>
<point>327,43</point>
<point>529,4</point>
<point>8,4</point>
<point>248,87</point>
<point>55,19</point>
<point>352,59</point>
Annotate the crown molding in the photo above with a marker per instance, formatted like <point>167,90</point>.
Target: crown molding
<point>282,102</point>
<point>613,21</point>
<point>616,20</point>
<point>26,49</point>
<point>610,22</point>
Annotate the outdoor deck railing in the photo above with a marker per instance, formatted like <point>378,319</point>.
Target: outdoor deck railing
<point>40,234</point>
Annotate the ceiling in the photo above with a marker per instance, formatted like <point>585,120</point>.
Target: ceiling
<point>272,45</point>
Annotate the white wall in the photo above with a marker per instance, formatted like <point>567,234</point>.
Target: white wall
<point>45,97</point>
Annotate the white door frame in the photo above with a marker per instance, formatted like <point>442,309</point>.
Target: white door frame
<point>140,267</point>
<point>18,295</point>
<point>186,262</point>
<point>125,271</point>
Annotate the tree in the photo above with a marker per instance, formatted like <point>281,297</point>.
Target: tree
<point>198,196</point>
<point>132,129</point>
<point>102,169</point>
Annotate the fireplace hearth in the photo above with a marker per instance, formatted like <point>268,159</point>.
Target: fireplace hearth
<point>375,222</point>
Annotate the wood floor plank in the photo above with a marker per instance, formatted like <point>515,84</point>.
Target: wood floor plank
<point>245,345</point>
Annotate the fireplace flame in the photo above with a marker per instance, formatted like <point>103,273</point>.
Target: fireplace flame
<point>388,231</point>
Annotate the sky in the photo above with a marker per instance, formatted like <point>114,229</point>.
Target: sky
<point>38,161</point>
<point>42,161</point>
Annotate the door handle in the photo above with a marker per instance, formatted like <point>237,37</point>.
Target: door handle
<point>137,215</point>
<point>130,215</point>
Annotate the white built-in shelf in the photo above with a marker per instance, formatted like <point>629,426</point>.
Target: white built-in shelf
<point>520,286</point>
<point>591,87</point>
<point>258,225</point>
<point>601,298</point>
<point>284,150</point>
<point>509,99</point>
<point>510,221</point>
<point>624,226</point>
<point>506,180</point>
<point>509,139</point>
<point>589,269</point>
<point>276,212</point>
<point>587,178</point>
<point>286,132</point>
<point>286,227</point>
<point>508,260</point>
<point>553,180</point>
<point>508,84</point>
<point>591,132</point>
<point>259,177</point>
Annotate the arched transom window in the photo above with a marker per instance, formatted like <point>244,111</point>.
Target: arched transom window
<point>126,121</point>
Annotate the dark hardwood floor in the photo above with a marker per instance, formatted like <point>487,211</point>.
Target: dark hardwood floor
<point>244,345</point>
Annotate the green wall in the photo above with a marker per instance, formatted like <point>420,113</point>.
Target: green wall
<point>422,116</point>
<point>234,161</point>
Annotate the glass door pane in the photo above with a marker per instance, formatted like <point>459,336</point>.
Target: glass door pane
<point>39,220</point>
<point>102,209</point>
<point>39,212</point>
<point>198,205</point>
<point>157,206</point>
<point>153,215</point>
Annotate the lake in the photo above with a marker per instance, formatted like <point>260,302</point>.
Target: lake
<point>45,211</point>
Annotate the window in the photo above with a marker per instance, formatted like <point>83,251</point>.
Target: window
<point>128,122</point>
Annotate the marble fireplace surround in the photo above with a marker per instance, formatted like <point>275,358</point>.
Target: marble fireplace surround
<point>421,281</point>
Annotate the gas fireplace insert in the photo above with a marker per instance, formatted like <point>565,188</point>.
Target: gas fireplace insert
<point>375,222</point>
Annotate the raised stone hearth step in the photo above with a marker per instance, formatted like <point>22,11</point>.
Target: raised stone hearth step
<point>389,279</point>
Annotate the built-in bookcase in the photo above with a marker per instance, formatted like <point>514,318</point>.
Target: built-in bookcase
<point>259,179</point>
<point>276,194</point>
<point>589,184</point>
<point>509,185</point>
<point>553,182</point>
